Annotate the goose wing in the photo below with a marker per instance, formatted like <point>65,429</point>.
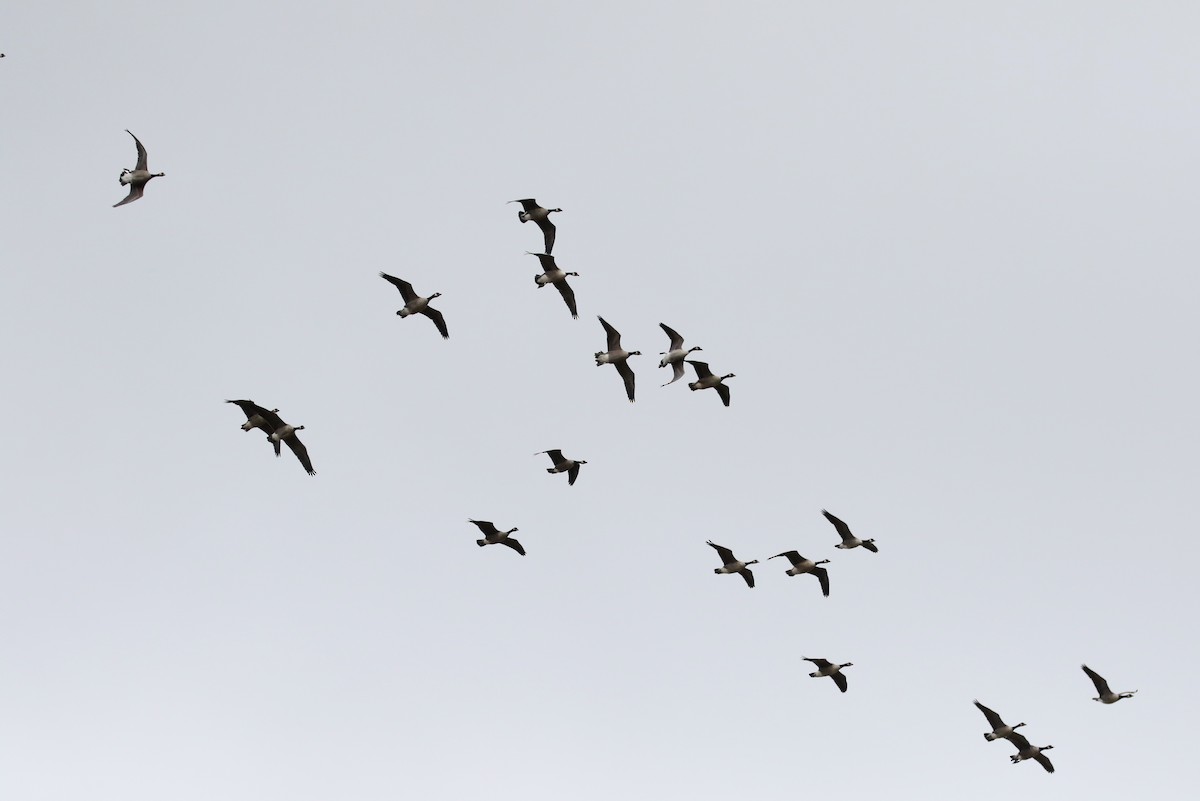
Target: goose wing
<point>678,368</point>
<point>486,526</point>
<point>511,543</point>
<point>572,474</point>
<point>701,369</point>
<point>748,575</point>
<point>1044,761</point>
<point>841,527</point>
<point>301,452</point>
<point>614,338</point>
<point>793,556</point>
<point>723,552</point>
<point>555,456</point>
<point>529,204</point>
<point>992,718</point>
<point>1017,739</point>
<point>406,290</point>
<point>676,340</point>
<point>142,159</point>
<point>723,391</point>
<point>438,320</point>
<point>1097,679</point>
<point>548,232</point>
<point>870,546</point>
<point>271,422</point>
<point>568,296</point>
<point>820,663</point>
<point>839,679</point>
<point>627,375</point>
<point>135,192</point>
<point>822,576</point>
<point>547,262</point>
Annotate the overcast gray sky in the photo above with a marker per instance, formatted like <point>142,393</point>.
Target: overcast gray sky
<point>948,249</point>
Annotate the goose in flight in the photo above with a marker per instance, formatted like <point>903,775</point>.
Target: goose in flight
<point>555,275</point>
<point>279,431</point>
<point>415,304</point>
<point>675,354</point>
<point>267,420</point>
<point>494,536</point>
<point>563,465</point>
<point>1000,729</point>
<point>618,357</point>
<point>729,564</point>
<point>541,216</point>
<point>802,565</point>
<point>706,380</point>
<point>1027,751</point>
<point>833,671</point>
<point>1106,696</point>
<point>139,176</point>
<point>848,539</point>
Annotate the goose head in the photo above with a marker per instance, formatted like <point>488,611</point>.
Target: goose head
<point>730,375</point>
<point>694,347</point>
<point>549,210</point>
<point>751,562</point>
<point>157,175</point>
<point>635,353</point>
<point>581,461</point>
<point>846,665</point>
<point>434,295</point>
<point>512,530</point>
<point>572,273</point>
<point>822,562</point>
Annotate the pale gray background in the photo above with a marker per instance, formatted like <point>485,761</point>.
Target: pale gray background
<point>948,249</point>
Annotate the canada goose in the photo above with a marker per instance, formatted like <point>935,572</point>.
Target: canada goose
<point>555,275</point>
<point>729,564</point>
<point>848,539</point>
<point>415,304</point>
<point>494,536</point>
<point>1000,729</point>
<point>258,417</point>
<point>802,565</point>
<point>1027,751</point>
<point>139,176</point>
<point>1106,696</point>
<point>618,357</point>
<point>675,354</point>
<point>827,668</point>
<point>563,465</point>
<point>287,434</point>
<point>267,420</point>
<point>705,380</point>
<point>541,216</point>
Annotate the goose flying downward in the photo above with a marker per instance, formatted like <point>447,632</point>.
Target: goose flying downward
<point>541,216</point>
<point>1027,751</point>
<point>1106,696</point>
<point>555,275</point>
<point>618,357</point>
<point>1000,729</point>
<point>730,564</point>
<point>494,536</point>
<point>801,565</point>
<point>139,176</point>
<point>563,465</point>
<point>278,431</point>
<point>706,380</point>
<point>833,671</point>
<point>674,355</point>
<point>848,539</point>
<point>415,304</point>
